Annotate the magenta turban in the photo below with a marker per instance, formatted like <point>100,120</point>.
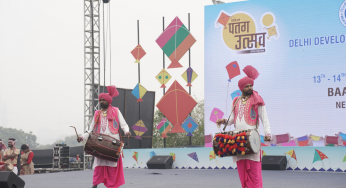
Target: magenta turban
<point>112,92</point>
<point>251,75</point>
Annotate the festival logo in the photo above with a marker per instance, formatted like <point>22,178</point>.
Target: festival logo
<point>342,13</point>
<point>240,31</point>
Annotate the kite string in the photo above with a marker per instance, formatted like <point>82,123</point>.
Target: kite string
<point>227,100</point>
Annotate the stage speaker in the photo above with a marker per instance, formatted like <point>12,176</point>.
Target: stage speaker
<point>273,162</point>
<point>160,162</point>
<point>10,180</point>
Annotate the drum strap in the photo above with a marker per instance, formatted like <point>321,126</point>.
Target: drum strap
<point>234,105</point>
<point>97,118</point>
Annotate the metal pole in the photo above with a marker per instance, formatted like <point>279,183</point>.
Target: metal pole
<point>104,49</point>
<point>190,142</point>
<point>139,81</point>
<point>164,89</point>
<point>92,57</point>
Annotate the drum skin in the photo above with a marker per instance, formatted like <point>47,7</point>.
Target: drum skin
<point>252,144</point>
<point>107,148</point>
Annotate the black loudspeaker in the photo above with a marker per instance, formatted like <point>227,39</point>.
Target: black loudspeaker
<point>160,162</point>
<point>10,180</point>
<point>273,162</point>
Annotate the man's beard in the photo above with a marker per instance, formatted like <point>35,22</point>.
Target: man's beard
<point>249,92</point>
<point>104,106</point>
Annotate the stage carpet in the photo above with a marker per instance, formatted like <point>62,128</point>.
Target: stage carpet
<point>139,178</point>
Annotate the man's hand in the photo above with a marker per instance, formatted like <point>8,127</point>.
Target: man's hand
<point>221,121</point>
<point>267,138</point>
<point>79,139</point>
<point>13,155</point>
<point>128,134</point>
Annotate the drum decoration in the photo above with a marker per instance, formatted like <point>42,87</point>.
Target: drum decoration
<point>231,145</point>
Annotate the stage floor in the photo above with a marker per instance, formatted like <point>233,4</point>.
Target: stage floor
<point>139,178</point>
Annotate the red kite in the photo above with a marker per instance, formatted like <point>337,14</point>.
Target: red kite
<point>176,105</point>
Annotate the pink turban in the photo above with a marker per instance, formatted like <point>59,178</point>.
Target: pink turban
<point>251,75</point>
<point>112,92</point>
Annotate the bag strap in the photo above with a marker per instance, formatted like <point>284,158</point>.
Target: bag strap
<point>234,105</point>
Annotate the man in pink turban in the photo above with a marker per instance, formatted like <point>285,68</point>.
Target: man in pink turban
<point>108,120</point>
<point>247,110</point>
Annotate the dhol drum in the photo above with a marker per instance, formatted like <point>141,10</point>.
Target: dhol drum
<point>233,143</point>
<point>6,167</point>
<point>104,147</point>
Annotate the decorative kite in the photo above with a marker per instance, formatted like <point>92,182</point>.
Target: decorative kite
<point>138,53</point>
<point>152,153</point>
<point>233,70</point>
<point>193,156</point>
<point>212,156</point>
<point>189,126</point>
<point>175,41</point>
<point>139,129</point>
<point>292,154</point>
<point>173,156</point>
<point>223,20</point>
<point>135,156</point>
<point>263,153</point>
<point>272,32</point>
<point>189,76</point>
<point>235,94</point>
<point>176,105</point>
<point>139,91</point>
<point>319,156</point>
<point>215,115</point>
<point>164,127</point>
<point>163,77</point>
<point>344,159</point>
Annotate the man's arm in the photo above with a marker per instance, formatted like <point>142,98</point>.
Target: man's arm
<point>123,124</point>
<point>85,136</point>
<point>262,113</point>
